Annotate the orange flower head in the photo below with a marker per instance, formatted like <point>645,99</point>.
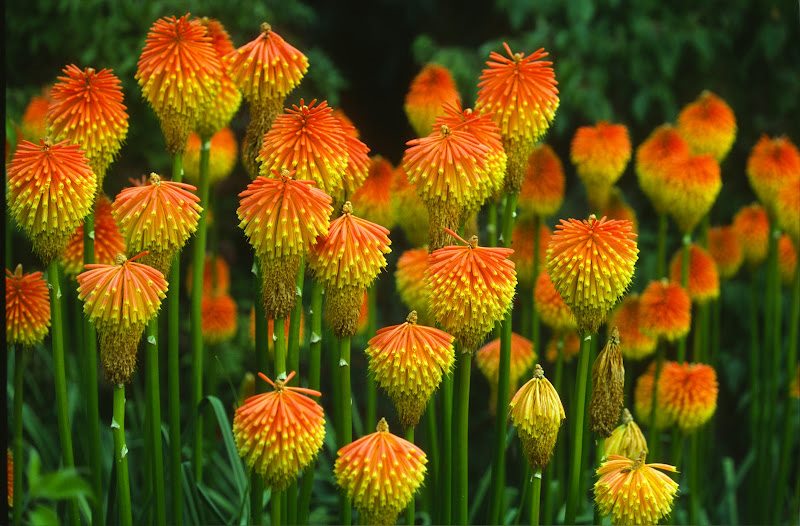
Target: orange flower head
<point>591,263</point>
<point>751,224</point>
<point>120,299</point>
<point>27,308</point>
<point>537,413</point>
<point>726,249</point>
<point>409,210</point>
<point>665,310</point>
<point>157,217</point>
<point>488,361</point>
<point>431,89</point>
<point>654,158</point>
<point>216,276</point>
<point>550,305</point>
<point>627,439</point>
<point>542,189</point>
<point>410,280</point>
<point>703,275</point>
<point>34,121</point>
<point>380,473</point>
<point>408,362</point>
<point>218,318</point>
<point>221,109</point>
<point>600,153</point>
<point>688,393</point>
<point>221,160</point>
<point>632,492</point>
<point>51,189</point>
<point>108,240</point>
<point>636,344</point>
<point>773,163</point>
<point>618,208</point>
<point>691,187</point>
<point>522,242</point>
<point>87,110</point>
<point>567,344</point>
<point>787,260</point>
<point>471,289</point>
<point>180,73</point>
<point>310,140</point>
<point>708,125</point>
<point>279,433</point>
<point>374,198</point>
<point>643,399</point>
<point>787,210</point>
<point>359,163</point>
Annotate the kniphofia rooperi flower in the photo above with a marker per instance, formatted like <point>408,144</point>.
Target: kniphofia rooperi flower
<point>703,283</point>
<point>218,318</point>
<point>409,210</point>
<point>665,310</point>
<point>627,318</point>
<point>690,189</point>
<point>430,90</point>
<point>410,281</point>
<point>373,198</point>
<point>751,224</point>
<point>654,158</point>
<point>217,114</point>
<point>772,164</point>
<point>708,125</point>
<point>787,260</point>
<point>221,161</point>
<point>787,210</point>
<point>643,399</point>
<point>359,162</point>
<point>216,276</point>
<point>627,439</point>
<point>487,358</point>
<point>726,249</point>
<point>542,189</point>
<point>687,393</point>
<point>608,383</point>
<point>108,240</point>
<point>522,240</point>
<point>551,307</point>
<point>27,308</point>
<point>600,154</point>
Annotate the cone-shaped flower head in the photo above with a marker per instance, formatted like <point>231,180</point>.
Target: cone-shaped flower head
<point>380,473</point>
<point>488,361</point>
<point>665,310</point>
<point>157,217</point>
<point>27,308</point>
<point>688,393</point>
<point>772,164</point>
<point>542,189</point>
<point>537,413</point>
<point>703,275</point>
<point>179,72</point>
<point>654,158</point>
<point>751,224</point>
<point>726,249</point>
<point>51,189</point>
<point>218,318</point>
<point>87,110</point>
<point>359,163</point>
<point>522,242</point>
<point>373,198</point>
<point>347,261</point>
<point>600,153</point>
<point>217,114</point>
<point>643,399</point>
<point>221,161</point>
<point>636,344</point>
<point>410,281</point>
<point>408,361</point>
<point>409,210</point>
<point>565,343</point>
<point>550,305</point>
<point>279,433</point>
<point>708,125</point>
<point>690,190</point>
<point>120,300</point>
<point>787,260</point>
<point>216,276</point>
<point>431,89</point>
<point>627,439</point>
<point>310,140</point>
<point>633,492</point>
<point>34,120</point>
<point>591,263</point>
<point>471,289</point>
<point>108,240</point>
<point>608,384</point>
<point>787,210</point>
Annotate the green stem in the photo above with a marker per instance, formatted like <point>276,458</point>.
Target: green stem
<point>345,435</point>
<point>446,477</point>
<point>755,360</point>
<point>508,219</point>
<point>498,465</point>
<point>694,486</point>
<point>410,509</point>
<point>577,444</point>
<point>491,222</point>
<point>372,325</point>
<point>275,501</point>
<point>293,350</point>
<point>661,254</point>
<point>154,407</point>
<point>432,505</point>
<point>262,351</point>
<point>553,467</point>
<point>536,496</point>
<point>685,255</point>
<point>19,459</point>
<point>600,452</point>
<point>463,370</point>
<point>279,330</point>
<point>121,457</point>
<point>653,438</point>
<point>775,367</point>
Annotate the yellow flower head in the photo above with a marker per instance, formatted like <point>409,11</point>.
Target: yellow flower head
<point>627,439</point>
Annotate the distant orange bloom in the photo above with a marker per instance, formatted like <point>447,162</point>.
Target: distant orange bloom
<point>703,275</point>
<point>635,343</point>
<point>688,393</point>
<point>600,154</point>
<point>643,399</point>
<point>358,163</point>
<point>34,120</point>
<point>488,361</point>
<point>221,161</point>
<point>410,280</point>
<point>409,210</point>
<point>691,187</point>
<point>751,224</point>
<point>708,125</point>
<point>665,310</point>
<point>373,199</point>
<point>429,91</point>
<point>219,112</point>
<point>108,240</point>
<point>618,208</point>
<point>216,276</point>
<point>551,307</point>
<point>787,260</point>
<point>522,243</point>
<point>654,158</point>
<point>219,317</point>
<point>772,164</point>
<point>542,189</point>
<point>787,211</point>
<point>569,347</point>
<point>27,308</point>
<point>726,249</point>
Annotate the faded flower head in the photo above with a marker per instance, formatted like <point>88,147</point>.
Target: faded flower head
<point>608,384</point>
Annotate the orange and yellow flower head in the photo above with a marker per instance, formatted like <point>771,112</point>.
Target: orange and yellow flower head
<point>787,260</point>
<point>522,242</point>
<point>618,208</point>
<point>773,163</point>
<point>536,411</point>
<point>86,109</point>
<point>410,280</point>
<point>108,240</point>
<point>708,125</point>
<point>410,212</point>
<point>179,72</point>
<point>787,211</point>
<point>408,362</point>
<point>751,224</point>
<point>632,492</point>
<point>703,276</point>
<point>373,198</point>
<point>33,125</point>
<point>430,90</point>
<point>636,344</point>
<point>380,473</point>
<point>120,299</point>
<point>643,400</point>
<point>471,287</point>
<point>347,261</point>
<point>665,310</point>
<point>218,318</point>
<point>550,305</point>
<point>566,344</point>
<point>216,276</point>
<point>27,308</point>
<point>654,158</point>
<point>158,217</point>
<point>688,393</point>
<point>542,189</point>
<point>600,153</point>
<point>627,439</point>
<point>221,160</point>
<point>217,114</point>
<point>279,433</point>
<point>51,189</point>
<point>591,263</point>
<point>359,162</point>
<point>691,187</point>
<point>726,249</point>
<point>608,384</point>
<point>488,361</point>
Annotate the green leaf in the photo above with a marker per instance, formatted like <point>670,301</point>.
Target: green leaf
<point>43,516</point>
<point>60,485</point>
<point>239,475</point>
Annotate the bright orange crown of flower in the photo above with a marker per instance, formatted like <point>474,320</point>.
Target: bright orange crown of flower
<point>522,242</point>
<point>410,280</point>
<point>726,249</point>
<point>471,288</point>
<point>703,275</point>
<point>601,153</point>
<point>359,163</point>
<point>222,160</point>
<point>773,164</point>
<point>692,186</point>
<point>708,125</point>
<point>591,263</point>
<point>665,310</point>
<point>33,125</point>
<point>569,347</point>
<point>108,240</point>
<point>787,260</point>
<point>787,210</point>
<point>374,198</point>
<point>380,473</point>
<point>279,433</point>
<point>636,344</point>
<point>643,400</point>
<point>751,224</point>
<point>219,112</point>
<point>521,92</point>
<point>688,393</point>
<point>266,68</point>
<point>27,308</point>
<point>432,88</point>
<point>522,357</point>
<point>51,189</point>
<point>654,157</point>
<point>551,307</point>
<point>216,276</point>
<point>309,139</point>
<point>352,254</point>
<point>282,216</point>
<point>408,361</point>
<point>633,492</point>
<point>219,318</point>
<point>542,189</point>
<point>87,110</point>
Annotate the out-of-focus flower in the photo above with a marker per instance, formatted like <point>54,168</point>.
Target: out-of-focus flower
<point>551,307</point>
<point>708,125</point>
<point>688,393</point>
<point>410,280</point>
<point>643,399</point>
<point>787,260</point>
<point>216,276</point>
<point>627,439</point>
<point>430,90</point>
<point>772,164</point>
<point>221,159</point>
<point>654,158</point>
<point>537,413</point>
<point>108,240</point>
<point>218,318</point>
<point>566,343</point>
<point>522,243</point>
<point>409,210</point>
<point>726,249</point>
<point>608,384</point>
<point>358,164</point>
<point>636,344</point>
<point>703,276</point>
<point>221,109</point>
<point>751,224</point>
<point>287,326</point>
<point>690,190</point>
<point>488,361</point>
<point>373,199</point>
<point>618,208</point>
<point>27,308</point>
<point>600,153</point>
<point>542,189</point>
<point>787,210</point>
<point>665,310</point>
